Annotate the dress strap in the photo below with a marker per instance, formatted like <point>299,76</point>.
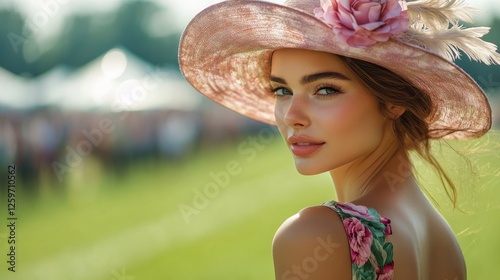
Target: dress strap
<point>366,230</point>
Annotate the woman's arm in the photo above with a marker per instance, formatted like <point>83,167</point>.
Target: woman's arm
<point>312,245</point>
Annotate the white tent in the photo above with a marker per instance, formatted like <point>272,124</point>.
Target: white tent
<point>115,81</point>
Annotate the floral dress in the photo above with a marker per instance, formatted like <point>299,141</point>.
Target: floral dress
<point>371,255</point>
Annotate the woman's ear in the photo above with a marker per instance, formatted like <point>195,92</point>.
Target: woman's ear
<point>394,111</point>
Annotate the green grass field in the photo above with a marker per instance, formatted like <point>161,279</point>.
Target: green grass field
<point>152,222</point>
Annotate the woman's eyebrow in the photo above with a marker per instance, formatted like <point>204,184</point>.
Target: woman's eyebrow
<point>313,77</point>
<point>278,80</point>
<point>322,75</point>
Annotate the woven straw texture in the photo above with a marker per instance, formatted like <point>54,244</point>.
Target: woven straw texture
<point>225,54</point>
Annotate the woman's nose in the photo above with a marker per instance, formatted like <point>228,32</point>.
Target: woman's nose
<point>296,113</point>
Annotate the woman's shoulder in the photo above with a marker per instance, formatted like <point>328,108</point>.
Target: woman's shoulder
<point>312,244</point>
<point>311,220</point>
<point>354,235</point>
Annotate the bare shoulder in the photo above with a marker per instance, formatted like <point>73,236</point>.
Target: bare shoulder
<point>448,261</point>
<point>312,245</point>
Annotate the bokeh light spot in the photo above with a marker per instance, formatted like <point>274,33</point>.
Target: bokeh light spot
<point>114,63</point>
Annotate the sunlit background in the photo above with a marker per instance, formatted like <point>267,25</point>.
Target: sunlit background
<point>125,172</point>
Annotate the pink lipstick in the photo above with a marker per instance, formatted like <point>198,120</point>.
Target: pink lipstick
<point>303,146</point>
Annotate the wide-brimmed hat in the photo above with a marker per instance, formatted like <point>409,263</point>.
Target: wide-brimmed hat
<point>225,52</point>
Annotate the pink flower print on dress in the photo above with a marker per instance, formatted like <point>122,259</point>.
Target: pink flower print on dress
<point>356,210</point>
<point>363,23</point>
<point>386,273</point>
<point>360,240</point>
<point>387,223</point>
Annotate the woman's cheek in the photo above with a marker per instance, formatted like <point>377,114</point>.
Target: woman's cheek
<point>353,123</point>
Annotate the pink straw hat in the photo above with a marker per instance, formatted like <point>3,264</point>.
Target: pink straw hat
<point>225,52</point>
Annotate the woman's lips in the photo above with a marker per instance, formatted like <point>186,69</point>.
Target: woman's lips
<point>303,146</point>
<point>305,149</point>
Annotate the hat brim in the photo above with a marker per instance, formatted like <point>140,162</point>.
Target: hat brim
<point>225,54</point>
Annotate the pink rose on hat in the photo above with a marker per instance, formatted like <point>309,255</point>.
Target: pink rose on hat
<point>360,240</point>
<point>364,22</point>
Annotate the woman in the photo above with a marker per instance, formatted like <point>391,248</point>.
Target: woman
<point>354,87</point>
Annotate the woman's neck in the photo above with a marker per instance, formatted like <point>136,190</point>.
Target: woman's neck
<point>382,171</point>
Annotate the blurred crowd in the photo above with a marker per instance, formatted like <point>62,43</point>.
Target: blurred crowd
<point>52,143</point>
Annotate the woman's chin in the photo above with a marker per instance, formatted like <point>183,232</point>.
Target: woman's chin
<point>308,170</point>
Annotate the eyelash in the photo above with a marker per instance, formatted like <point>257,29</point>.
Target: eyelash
<point>337,90</point>
<point>275,90</point>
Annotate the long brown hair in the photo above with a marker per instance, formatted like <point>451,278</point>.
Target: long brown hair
<point>411,127</point>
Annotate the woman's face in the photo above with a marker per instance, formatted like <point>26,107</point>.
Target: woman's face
<point>327,117</point>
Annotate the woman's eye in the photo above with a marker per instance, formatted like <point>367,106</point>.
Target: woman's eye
<point>327,91</point>
<point>281,91</point>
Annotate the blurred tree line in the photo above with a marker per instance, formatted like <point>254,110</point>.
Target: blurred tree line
<point>87,36</point>
<point>84,37</point>
<point>487,76</point>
